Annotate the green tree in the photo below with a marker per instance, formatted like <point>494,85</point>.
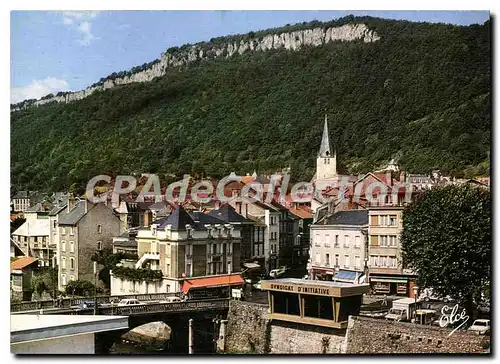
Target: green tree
<point>80,288</point>
<point>446,238</point>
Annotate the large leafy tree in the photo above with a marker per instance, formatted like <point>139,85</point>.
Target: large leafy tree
<point>447,239</point>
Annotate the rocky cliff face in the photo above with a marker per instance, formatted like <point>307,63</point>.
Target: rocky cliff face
<point>289,41</point>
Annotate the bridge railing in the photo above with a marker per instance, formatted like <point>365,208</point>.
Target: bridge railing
<point>212,304</point>
<point>69,302</point>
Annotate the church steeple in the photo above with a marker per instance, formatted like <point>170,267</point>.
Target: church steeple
<point>326,162</point>
<point>325,148</point>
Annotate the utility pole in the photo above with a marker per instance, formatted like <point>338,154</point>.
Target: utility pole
<point>95,288</point>
<point>53,277</point>
<point>191,337</point>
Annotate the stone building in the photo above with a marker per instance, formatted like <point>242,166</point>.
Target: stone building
<point>33,239</point>
<point>183,246</point>
<point>227,214</point>
<point>83,228</point>
<point>386,272</point>
<point>338,246</point>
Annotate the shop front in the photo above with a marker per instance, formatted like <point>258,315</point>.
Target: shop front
<point>322,274</point>
<point>394,286</point>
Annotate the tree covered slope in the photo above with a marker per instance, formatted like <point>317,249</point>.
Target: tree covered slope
<point>421,93</point>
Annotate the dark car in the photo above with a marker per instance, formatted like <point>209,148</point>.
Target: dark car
<point>85,305</point>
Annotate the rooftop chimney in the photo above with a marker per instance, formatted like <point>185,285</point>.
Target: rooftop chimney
<point>71,202</point>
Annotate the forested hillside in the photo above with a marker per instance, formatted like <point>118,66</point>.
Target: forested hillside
<point>421,93</point>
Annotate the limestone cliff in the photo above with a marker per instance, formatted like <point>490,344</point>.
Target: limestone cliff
<point>288,40</point>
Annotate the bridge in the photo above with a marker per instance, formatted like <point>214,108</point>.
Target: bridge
<point>68,303</point>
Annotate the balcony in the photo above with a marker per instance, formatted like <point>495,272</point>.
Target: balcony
<point>145,257</point>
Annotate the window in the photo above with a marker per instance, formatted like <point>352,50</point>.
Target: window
<point>316,240</point>
<point>393,261</point>
<point>63,246</point>
<point>36,239</point>
<point>41,254</point>
<point>327,240</point>
<point>71,247</point>
<point>168,270</point>
<point>337,260</point>
<point>327,259</point>
<point>99,229</point>
<point>346,241</point>
<point>188,270</point>
<point>71,278</point>
<point>63,279</point>
<point>374,260</point>
<point>383,261</point>
<point>318,259</point>
<point>374,220</point>
<point>55,224</point>
<point>357,242</point>
<point>383,240</point>
<point>25,239</point>
<point>392,220</point>
<point>63,230</point>
<point>336,240</point>
<point>357,261</point>
<point>393,240</point>
<point>374,240</point>
<point>71,263</point>
<point>63,263</point>
<point>71,231</point>
<point>347,261</point>
<point>99,245</point>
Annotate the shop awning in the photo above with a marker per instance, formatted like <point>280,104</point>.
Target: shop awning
<point>251,265</point>
<point>388,280</point>
<point>214,281</point>
<point>346,275</point>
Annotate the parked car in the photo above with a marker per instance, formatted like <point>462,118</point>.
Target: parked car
<point>258,285</point>
<point>395,314</point>
<point>86,305</point>
<point>129,302</point>
<point>481,326</point>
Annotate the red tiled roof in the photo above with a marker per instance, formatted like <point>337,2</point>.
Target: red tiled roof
<point>303,214</point>
<point>215,281</point>
<point>22,263</point>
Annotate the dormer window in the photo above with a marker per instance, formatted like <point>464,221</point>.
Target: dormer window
<point>99,229</point>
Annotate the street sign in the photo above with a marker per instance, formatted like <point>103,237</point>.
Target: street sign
<point>236,293</point>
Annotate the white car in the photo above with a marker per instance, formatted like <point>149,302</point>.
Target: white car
<point>481,326</point>
<point>129,302</point>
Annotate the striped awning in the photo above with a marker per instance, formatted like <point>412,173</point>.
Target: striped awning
<point>346,275</point>
<point>389,280</point>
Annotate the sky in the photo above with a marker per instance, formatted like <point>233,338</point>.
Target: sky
<point>68,51</point>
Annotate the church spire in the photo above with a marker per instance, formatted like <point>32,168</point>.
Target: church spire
<point>325,149</point>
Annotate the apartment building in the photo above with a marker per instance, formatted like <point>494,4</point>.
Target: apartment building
<point>228,214</point>
<point>338,249</point>
<point>32,238</point>
<point>386,273</point>
<point>185,247</point>
<point>82,229</point>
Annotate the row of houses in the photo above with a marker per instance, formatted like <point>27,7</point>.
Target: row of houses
<point>340,235</point>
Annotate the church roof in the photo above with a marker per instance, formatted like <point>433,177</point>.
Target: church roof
<point>325,148</point>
